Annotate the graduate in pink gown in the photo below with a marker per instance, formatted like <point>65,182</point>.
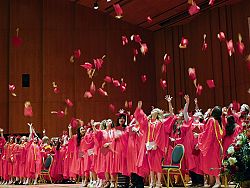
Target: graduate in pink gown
<point>191,151</point>
<point>10,158</point>
<point>231,131</point>
<point>5,164</point>
<point>23,154</point>
<point>77,164</point>
<point>134,144</point>
<point>16,160</point>
<point>87,148</point>
<point>210,143</point>
<point>104,159</point>
<point>34,157</point>
<point>119,146</point>
<point>2,143</point>
<point>153,142</point>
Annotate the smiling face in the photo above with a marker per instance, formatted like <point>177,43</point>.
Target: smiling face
<point>109,123</point>
<point>122,120</point>
<point>82,131</point>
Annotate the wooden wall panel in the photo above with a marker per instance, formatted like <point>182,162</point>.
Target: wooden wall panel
<point>51,31</point>
<point>4,75</point>
<point>58,38</point>
<point>25,59</point>
<point>229,73</point>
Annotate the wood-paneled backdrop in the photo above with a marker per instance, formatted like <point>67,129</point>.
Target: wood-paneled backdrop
<point>51,31</point>
<point>230,74</point>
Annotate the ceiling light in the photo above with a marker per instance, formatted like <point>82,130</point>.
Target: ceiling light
<point>96,5</point>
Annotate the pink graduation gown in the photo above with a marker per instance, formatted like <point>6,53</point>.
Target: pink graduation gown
<point>152,133</point>
<point>210,146</point>
<point>2,143</point>
<point>119,146</point>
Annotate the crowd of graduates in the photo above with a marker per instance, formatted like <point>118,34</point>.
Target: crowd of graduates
<point>126,152</point>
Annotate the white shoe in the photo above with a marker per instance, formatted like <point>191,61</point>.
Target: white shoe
<point>217,185</point>
<point>85,183</point>
<point>112,185</point>
<point>151,185</point>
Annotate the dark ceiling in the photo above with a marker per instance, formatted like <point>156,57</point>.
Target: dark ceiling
<point>164,13</point>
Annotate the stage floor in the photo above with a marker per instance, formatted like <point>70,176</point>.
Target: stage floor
<point>58,186</point>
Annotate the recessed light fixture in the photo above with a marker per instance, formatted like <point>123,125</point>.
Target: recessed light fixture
<point>96,6</point>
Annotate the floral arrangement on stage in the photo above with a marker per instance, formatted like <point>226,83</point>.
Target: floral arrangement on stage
<point>237,162</point>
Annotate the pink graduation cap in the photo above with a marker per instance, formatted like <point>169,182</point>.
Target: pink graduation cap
<point>68,102</point>
<point>102,92</point>
<point>240,44</point>
<point>98,63</point>
<point>108,79</point>
<point>184,43</point>
<point>55,88</point>
<point>12,88</point>
<point>123,86</point>
<point>199,89</point>
<point>118,11</point>
<point>149,19</point>
<point>77,54</point>
<point>211,2</point>
<point>116,83</point>
<point>210,84</point>
<point>59,113</point>
<point>230,47</point>
<point>221,36</point>
<point>136,38</point>
<point>124,40</point>
<point>111,107</point>
<point>163,84</point>
<point>27,109</point>
<point>92,88</point>
<point>73,122</point>
<point>204,45</point>
<point>88,94</point>
<point>193,9</point>
<point>167,59</point>
<point>164,68</point>
<point>87,65</point>
<point>135,52</point>
<point>144,48</point>
<point>16,40</point>
<point>192,74</point>
<point>143,78</point>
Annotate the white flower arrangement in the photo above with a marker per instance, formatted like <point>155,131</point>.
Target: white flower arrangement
<point>232,160</point>
<point>230,150</point>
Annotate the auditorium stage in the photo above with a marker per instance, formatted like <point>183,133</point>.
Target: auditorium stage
<point>59,186</point>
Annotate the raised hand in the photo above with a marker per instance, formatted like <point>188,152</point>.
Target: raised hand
<point>69,127</point>
<point>195,101</point>
<point>1,130</point>
<point>186,97</point>
<point>168,98</point>
<point>30,124</point>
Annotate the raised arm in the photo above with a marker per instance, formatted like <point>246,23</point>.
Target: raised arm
<point>185,111</point>
<point>196,104</point>
<point>1,131</point>
<point>30,130</point>
<point>170,107</point>
<point>70,131</point>
<point>139,115</point>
